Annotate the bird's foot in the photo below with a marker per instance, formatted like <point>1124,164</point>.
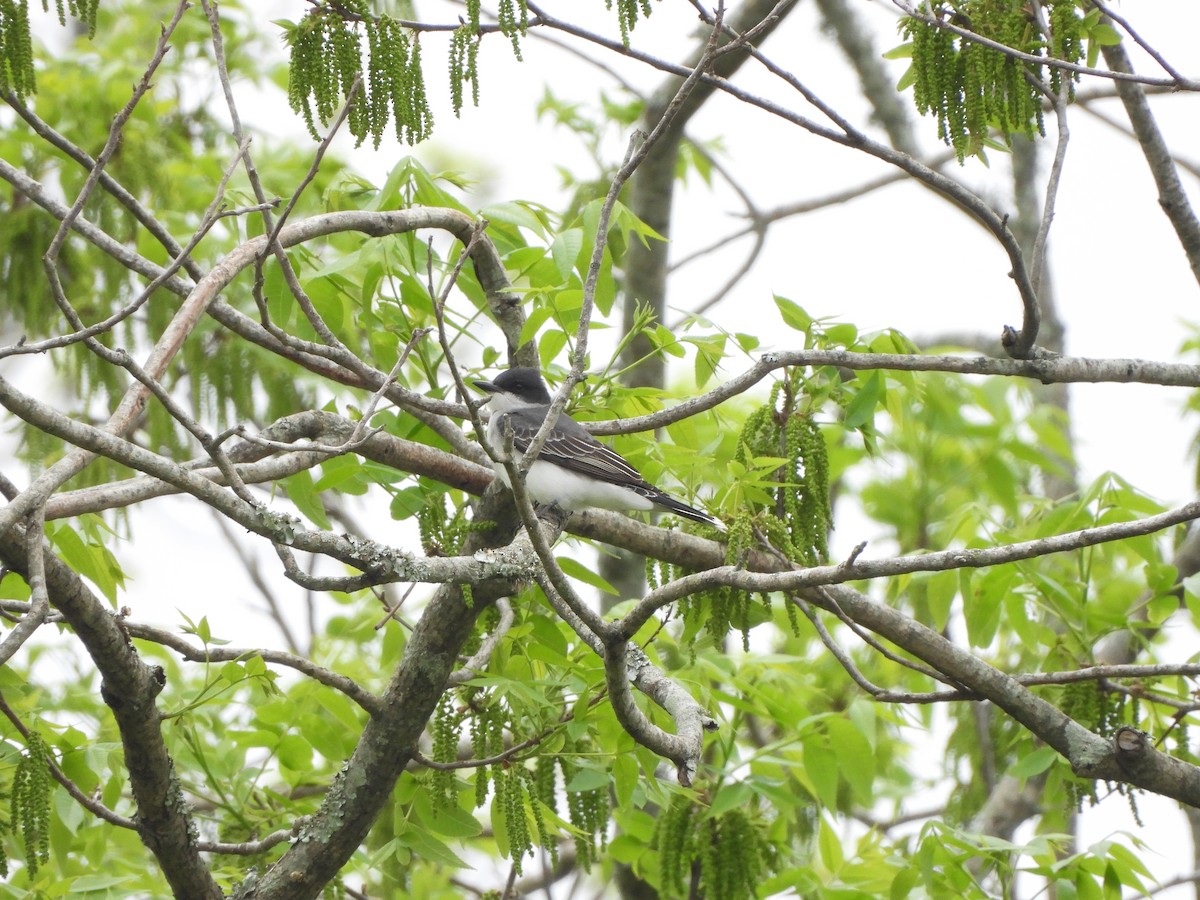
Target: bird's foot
<point>552,512</point>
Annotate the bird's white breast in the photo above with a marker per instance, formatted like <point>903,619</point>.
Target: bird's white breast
<point>548,483</point>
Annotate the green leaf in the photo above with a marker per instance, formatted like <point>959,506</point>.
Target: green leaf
<point>625,849</point>
<point>300,490</point>
<point>564,250</point>
<point>793,315</point>
<point>428,848</point>
<point>982,609</point>
<point>582,573</point>
<point>1104,35</point>
<point>844,334</point>
<point>408,502</point>
<point>87,883</point>
<point>1033,763</point>
<point>514,214</point>
<point>861,408</point>
<point>499,822</point>
<point>830,844</point>
<point>904,51</point>
<point>731,797</point>
<point>625,777</point>
<point>294,753</point>
<point>587,779</point>
<point>88,558</point>
<point>941,589</point>
<point>550,346</point>
<point>453,822</point>
<point>232,672</point>
<point>821,766</point>
<point>345,473</point>
<point>537,318</point>
<point>855,757</point>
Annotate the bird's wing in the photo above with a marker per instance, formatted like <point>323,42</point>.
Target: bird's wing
<point>576,450</point>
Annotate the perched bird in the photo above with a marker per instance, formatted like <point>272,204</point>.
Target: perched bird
<point>574,470</point>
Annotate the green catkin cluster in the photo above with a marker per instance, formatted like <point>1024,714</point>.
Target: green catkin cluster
<point>796,516</point>
<point>479,748</point>
<point>30,803</point>
<point>1066,42</point>
<point>544,838</point>
<point>793,618</point>
<point>16,43</point>
<point>1087,703</point>
<point>314,83</point>
<point>807,512</point>
<point>510,796</point>
<point>410,107</point>
<point>588,812</point>
<point>464,65</point>
<point>693,610</point>
<point>1131,793</point>
<point>513,18</point>
<point>674,839</point>
<point>16,49</point>
<point>628,14</point>
<point>487,737</point>
<point>1179,742</point>
<point>447,722</point>
<point>1118,710</point>
<point>472,18</point>
<point>733,859</point>
<point>83,11</point>
<point>1112,713</point>
<point>972,88</point>
<point>732,853</point>
<point>544,788</point>
<point>444,535</point>
<point>327,61</point>
<point>1084,701</point>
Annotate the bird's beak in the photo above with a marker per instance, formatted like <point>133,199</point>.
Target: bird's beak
<point>488,388</point>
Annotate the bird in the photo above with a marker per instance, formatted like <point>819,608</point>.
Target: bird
<point>573,469</point>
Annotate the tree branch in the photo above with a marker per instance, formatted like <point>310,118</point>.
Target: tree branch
<point>382,563</point>
<point>1171,195</point>
<point>129,687</point>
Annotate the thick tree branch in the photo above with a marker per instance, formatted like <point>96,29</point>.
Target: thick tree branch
<point>858,569</point>
<point>381,563</point>
<point>129,687</point>
<point>1089,755</point>
<point>365,783</point>
<point>1171,195</point>
<point>1048,370</point>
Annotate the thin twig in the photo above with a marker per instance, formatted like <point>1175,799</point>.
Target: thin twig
<point>1179,84</point>
<point>95,807</point>
<point>209,654</point>
<point>480,658</point>
<point>39,606</point>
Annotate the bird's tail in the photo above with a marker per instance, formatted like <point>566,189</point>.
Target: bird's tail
<point>669,503</point>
